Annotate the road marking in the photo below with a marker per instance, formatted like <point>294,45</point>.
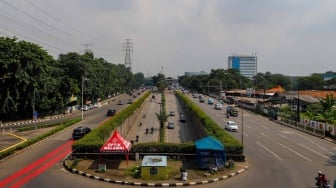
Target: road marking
<point>297,153</point>
<point>263,134</point>
<point>265,127</point>
<point>245,134</point>
<point>316,152</point>
<point>317,145</point>
<point>248,126</point>
<point>283,136</point>
<point>277,156</point>
<point>12,146</point>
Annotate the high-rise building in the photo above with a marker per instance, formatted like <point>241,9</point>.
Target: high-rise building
<point>247,65</point>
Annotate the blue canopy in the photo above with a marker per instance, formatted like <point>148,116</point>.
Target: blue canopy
<point>209,143</point>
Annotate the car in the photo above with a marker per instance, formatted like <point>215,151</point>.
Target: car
<point>86,108</point>
<point>111,112</point>
<point>120,102</point>
<point>231,126</point>
<point>170,125</point>
<point>182,118</point>
<point>210,101</point>
<point>130,101</point>
<point>172,113</point>
<point>218,106</point>
<point>80,132</point>
<point>201,99</point>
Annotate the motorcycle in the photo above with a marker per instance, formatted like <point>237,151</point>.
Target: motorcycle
<point>325,184</point>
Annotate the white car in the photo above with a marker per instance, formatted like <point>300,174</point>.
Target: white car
<point>231,126</point>
<point>218,106</point>
<point>170,125</point>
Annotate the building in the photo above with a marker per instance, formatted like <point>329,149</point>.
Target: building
<point>195,73</point>
<point>247,65</point>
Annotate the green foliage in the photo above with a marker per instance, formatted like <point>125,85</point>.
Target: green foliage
<point>32,80</point>
<point>232,145</point>
<point>97,137</point>
<point>34,140</point>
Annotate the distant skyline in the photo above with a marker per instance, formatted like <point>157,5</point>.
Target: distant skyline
<point>290,37</point>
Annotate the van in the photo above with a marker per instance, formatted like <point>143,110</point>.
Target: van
<point>210,101</point>
<point>232,111</point>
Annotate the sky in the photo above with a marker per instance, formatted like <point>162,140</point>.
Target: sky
<point>289,37</point>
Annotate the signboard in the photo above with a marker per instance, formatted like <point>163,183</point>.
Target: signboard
<point>35,114</point>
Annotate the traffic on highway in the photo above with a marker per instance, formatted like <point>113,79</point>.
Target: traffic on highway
<point>286,157</point>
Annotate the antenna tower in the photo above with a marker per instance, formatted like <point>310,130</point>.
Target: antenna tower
<point>128,48</point>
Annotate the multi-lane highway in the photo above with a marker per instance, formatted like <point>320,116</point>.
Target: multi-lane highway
<point>278,156</point>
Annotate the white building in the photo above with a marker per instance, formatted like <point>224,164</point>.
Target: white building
<point>247,65</point>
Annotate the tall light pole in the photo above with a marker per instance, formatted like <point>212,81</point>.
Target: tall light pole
<point>242,123</point>
<point>83,79</point>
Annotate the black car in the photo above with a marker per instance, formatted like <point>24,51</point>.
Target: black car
<point>111,112</point>
<point>80,132</point>
<point>182,118</point>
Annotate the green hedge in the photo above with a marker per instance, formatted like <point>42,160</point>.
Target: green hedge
<point>231,145</point>
<point>34,140</point>
<point>92,142</point>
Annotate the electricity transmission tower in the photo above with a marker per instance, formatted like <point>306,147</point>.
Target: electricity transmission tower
<point>128,48</point>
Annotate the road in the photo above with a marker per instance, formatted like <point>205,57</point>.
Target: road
<point>39,166</point>
<point>278,156</point>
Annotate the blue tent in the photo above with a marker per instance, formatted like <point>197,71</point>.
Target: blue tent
<point>210,153</point>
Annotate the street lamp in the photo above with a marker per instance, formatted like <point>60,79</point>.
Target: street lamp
<point>242,122</point>
<point>83,79</point>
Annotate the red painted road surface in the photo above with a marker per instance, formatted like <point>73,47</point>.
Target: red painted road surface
<point>29,172</point>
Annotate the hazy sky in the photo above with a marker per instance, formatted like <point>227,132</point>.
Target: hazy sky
<point>291,37</point>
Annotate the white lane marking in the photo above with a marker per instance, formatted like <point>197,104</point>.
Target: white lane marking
<point>317,145</point>
<point>265,127</point>
<point>263,134</point>
<point>253,121</point>
<point>318,153</point>
<point>277,156</point>
<point>245,134</point>
<point>297,153</point>
<point>248,126</point>
<point>283,136</point>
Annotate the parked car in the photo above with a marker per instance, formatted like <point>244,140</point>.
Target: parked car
<point>231,126</point>
<point>170,125</point>
<point>80,132</point>
<point>201,99</point>
<point>111,112</point>
<point>130,101</point>
<point>86,108</point>
<point>120,102</point>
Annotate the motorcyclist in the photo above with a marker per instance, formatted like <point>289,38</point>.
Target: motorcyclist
<point>321,180</point>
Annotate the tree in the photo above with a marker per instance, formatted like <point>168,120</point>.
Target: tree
<point>28,79</point>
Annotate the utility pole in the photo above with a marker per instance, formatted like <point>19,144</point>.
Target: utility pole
<point>83,79</point>
<point>86,47</point>
<point>128,48</point>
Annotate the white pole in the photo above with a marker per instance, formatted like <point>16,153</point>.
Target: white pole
<point>82,97</point>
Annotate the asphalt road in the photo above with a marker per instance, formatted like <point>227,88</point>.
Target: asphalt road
<point>37,158</point>
<point>278,156</point>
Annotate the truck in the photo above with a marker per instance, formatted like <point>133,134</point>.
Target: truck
<point>232,111</point>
